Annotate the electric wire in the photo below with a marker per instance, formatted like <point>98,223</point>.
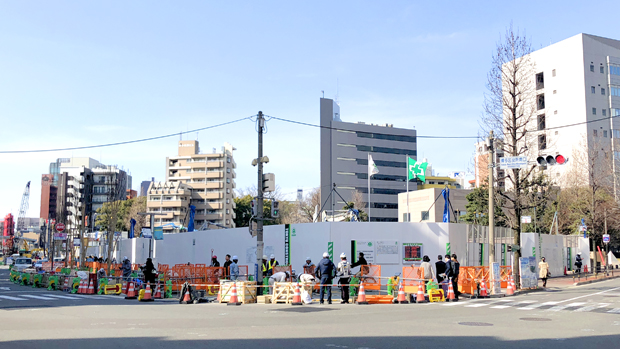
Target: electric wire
<point>124,142</point>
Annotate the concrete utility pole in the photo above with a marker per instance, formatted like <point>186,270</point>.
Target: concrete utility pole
<point>491,146</point>
<point>152,226</point>
<point>259,201</point>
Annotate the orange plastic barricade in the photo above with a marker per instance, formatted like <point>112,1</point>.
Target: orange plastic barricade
<point>411,286</point>
<point>505,272</point>
<point>371,276</point>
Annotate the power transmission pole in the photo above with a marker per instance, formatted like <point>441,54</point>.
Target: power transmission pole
<point>491,146</point>
<point>259,209</point>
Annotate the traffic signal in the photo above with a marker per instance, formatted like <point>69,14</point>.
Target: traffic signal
<point>275,209</point>
<point>551,160</point>
<point>254,207</point>
<point>269,182</point>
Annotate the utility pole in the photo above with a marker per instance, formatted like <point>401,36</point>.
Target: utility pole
<point>491,146</point>
<point>152,226</point>
<point>259,210</point>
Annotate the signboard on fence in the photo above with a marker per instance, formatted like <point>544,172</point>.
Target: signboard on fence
<point>367,247</point>
<point>529,277</point>
<point>412,252</point>
<point>496,277</point>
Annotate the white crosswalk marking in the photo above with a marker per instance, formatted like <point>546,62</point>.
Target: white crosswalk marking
<point>37,297</point>
<point>534,306</point>
<point>477,305</point>
<point>500,307</point>
<point>592,307</point>
<point>12,298</point>
<point>61,296</point>
<point>615,311</point>
<point>562,307</point>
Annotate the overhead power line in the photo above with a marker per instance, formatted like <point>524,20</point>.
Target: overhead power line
<point>125,142</point>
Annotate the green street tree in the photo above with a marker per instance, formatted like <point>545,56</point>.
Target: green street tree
<point>478,208</point>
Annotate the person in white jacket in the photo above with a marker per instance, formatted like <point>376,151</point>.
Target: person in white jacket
<point>344,271</point>
<point>282,276</point>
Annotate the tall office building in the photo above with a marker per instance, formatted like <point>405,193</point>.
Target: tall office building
<point>209,176</point>
<point>576,80</point>
<point>344,162</point>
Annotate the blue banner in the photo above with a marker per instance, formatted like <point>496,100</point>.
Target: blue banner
<point>132,228</point>
<point>158,233</point>
<point>446,209</point>
<point>192,212</point>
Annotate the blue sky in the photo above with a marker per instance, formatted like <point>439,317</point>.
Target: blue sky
<point>76,73</point>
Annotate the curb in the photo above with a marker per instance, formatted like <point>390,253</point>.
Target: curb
<point>579,283</point>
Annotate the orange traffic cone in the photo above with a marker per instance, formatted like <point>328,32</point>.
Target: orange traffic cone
<point>91,288</point>
<point>124,288</point>
<point>131,292</point>
<point>510,291</point>
<point>147,294</point>
<point>402,298</point>
<point>81,287</point>
<point>361,296</point>
<point>483,290</point>
<point>187,298</point>
<point>65,287</point>
<point>157,294</point>
<point>451,296</point>
<point>420,296</point>
<point>297,296</point>
<point>234,300</point>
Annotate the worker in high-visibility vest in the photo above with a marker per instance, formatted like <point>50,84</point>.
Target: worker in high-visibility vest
<point>268,267</point>
<point>392,284</point>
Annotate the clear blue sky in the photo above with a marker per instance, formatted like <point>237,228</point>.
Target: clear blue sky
<point>77,73</point>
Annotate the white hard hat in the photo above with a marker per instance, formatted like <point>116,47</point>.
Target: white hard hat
<point>124,258</point>
<point>235,258</point>
<point>343,255</point>
<point>264,256</point>
<point>272,256</point>
<point>325,254</point>
<point>308,259</point>
<point>578,252</point>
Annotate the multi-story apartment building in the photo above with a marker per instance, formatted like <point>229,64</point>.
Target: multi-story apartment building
<point>344,162</point>
<point>171,200</point>
<point>577,82</point>
<point>110,184</point>
<point>211,177</point>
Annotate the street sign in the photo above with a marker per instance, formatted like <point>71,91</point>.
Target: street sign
<point>60,227</point>
<point>512,162</point>
<point>606,238</point>
<point>526,219</point>
<point>60,236</point>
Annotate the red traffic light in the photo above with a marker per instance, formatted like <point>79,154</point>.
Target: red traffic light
<point>560,159</point>
<point>551,160</point>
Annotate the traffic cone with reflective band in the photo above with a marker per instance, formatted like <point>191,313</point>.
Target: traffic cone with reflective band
<point>91,288</point>
<point>234,299</point>
<point>420,296</point>
<point>296,296</point>
<point>402,298</point>
<point>219,295</point>
<point>187,298</point>
<point>124,288</point>
<point>147,294</point>
<point>510,291</point>
<point>451,296</point>
<point>81,287</point>
<point>65,286</point>
<point>483,290</point>
<point>131,292</point>
<point>361,296</point>
<point>157,294</point>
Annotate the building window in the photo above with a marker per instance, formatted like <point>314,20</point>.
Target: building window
<point>592,67</point>
<point>553,73</point>
<point>542,142</point>
<point>602,91</point>
<point>541,122</point>
<point>541,101</point>
<point>540,81</point>
<point>595,133</point>
<point>604,111</point>
<point>616,133</point>
<point>228,160</point>
<point>399,138</point>
<point>615,112</point>
<point>227,211</point>
<point>227,180</point>
<point>425,216</point>
<point>227,222</point>
<point>614,70</point>
<point>593,89</point>
<point>602,69</point>
<point>615,91</point>
<point>605,133</point>
<point>373,149</point>
<point>227,191</point>
<point>593,111</point>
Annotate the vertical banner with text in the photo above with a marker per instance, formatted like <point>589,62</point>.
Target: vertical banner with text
<point>287,244</point>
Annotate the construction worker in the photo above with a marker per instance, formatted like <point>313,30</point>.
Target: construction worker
<point>361,261</point>
<point>272,263</point>
<point>309,267</point>
<point>234,269</point>
<point>214,261</point>
<point>227,264</point>
<point>126,268</point>
<point>393,283</point>
<point>282,276</point>
<point>325,272</point>
<point>101,274</point>
<point>344,271</point>
<point>265,266</point>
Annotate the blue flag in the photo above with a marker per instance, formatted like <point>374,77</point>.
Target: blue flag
<point>192,212</point>
<point>131,229</point>
<point>446,209</point>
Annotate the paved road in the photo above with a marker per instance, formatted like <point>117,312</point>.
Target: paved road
<point>579,317</point>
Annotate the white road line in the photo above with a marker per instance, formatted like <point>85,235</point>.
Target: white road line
<point>592,307</point>
<point>37,297</point>
<point>477,305</point>
<point>591,294</point>
<point>90,296</point>
<point>13,298</point>
<point>61,296</point>
<point>615,311</point>
<point>534,306</point>
<point>562,307</point>
<point>500,307</point>
<point>450,304</point>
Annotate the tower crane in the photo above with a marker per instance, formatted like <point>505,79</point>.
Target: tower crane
<point>23,210</point>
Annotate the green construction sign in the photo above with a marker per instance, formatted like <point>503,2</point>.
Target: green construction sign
<point>330,250</point>
<point>448,248</point>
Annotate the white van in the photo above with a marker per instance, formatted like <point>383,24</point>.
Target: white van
<point>22,263</point>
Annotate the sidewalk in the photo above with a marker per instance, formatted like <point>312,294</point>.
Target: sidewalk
<point>567,281</point>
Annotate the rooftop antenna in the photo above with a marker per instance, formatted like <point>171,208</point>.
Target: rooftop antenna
<point>323,92</point>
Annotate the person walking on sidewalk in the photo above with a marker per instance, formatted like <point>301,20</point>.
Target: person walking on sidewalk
<point>440,269</point>
<point>427,269</point>
<point>344,270</point>
<point>578,263</point>
<point>544,273</point>
<point>452,272</point>
<point>325,272</point>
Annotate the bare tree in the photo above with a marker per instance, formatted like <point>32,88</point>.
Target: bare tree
<point>510,110</point>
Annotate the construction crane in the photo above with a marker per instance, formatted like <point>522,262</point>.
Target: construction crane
<point>21,218</point>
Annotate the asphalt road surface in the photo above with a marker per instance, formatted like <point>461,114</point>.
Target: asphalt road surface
<point>577,317</point>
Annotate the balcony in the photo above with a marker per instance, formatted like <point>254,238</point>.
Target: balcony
<point>214,185</point>
<point>215,174</point>
<point>215,164</point>
<point>213,205</point>
<point>213,195</point>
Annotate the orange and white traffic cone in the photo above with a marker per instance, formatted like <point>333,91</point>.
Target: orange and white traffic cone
<point>157,294</point>
<point>361,296</point>
<point>81,287</point>
<point>297,296</point>
<point>147,294</point>
<point>65,287</point>
<point>483,290</point>
<point>234,299</point>
<point>124,288</point>
<point>91,288</point>
<point>187,298</point>
<point>402,298</point>
<point>420,296</point>
<point>510,291</point>
<point>131,292</point>
<point>451,296</point>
